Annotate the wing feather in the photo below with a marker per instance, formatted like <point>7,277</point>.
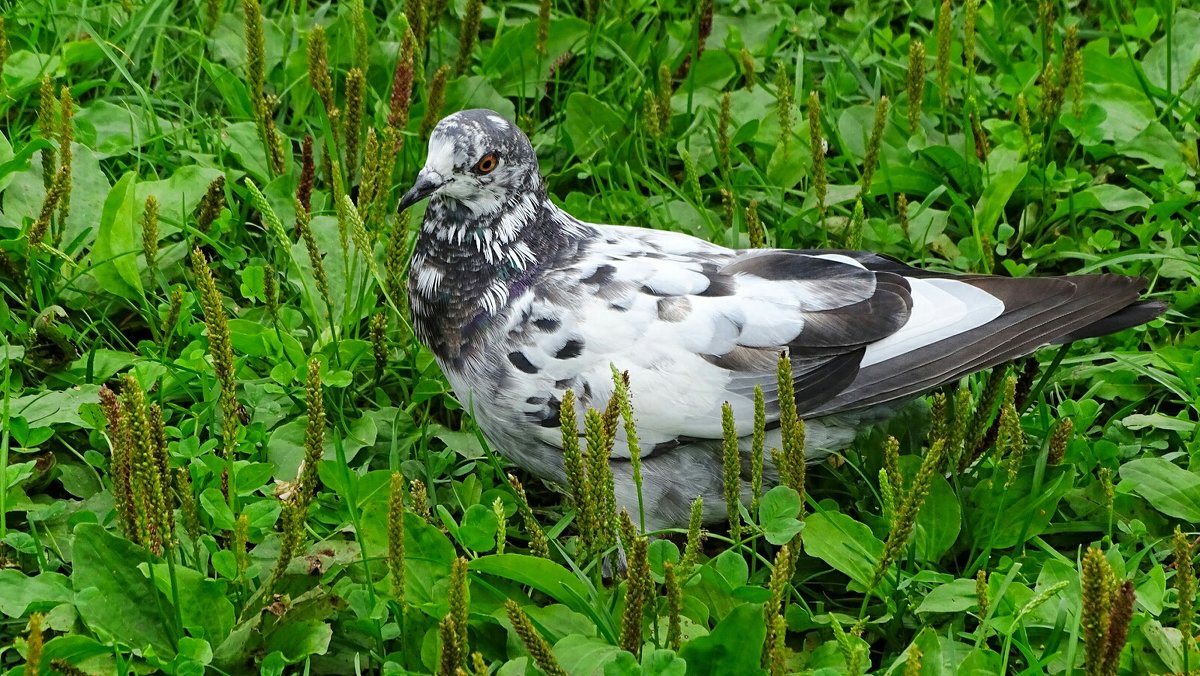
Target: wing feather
<point>705,327</point>
<point>696,325</point>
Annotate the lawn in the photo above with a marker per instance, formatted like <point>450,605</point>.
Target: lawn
<point>222,449</point>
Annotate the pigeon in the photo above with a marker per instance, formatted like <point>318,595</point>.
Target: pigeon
<point>519,302</point>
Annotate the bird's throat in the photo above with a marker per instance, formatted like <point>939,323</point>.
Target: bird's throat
<point>467,270</point>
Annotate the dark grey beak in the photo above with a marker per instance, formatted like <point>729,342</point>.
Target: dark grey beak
<point>426,184</point>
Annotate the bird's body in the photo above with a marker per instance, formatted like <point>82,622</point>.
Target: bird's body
<point>519,302</point>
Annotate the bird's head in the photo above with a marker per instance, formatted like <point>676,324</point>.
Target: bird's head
<point>478,161</point>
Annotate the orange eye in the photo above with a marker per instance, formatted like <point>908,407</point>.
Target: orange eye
<point>487,163</point>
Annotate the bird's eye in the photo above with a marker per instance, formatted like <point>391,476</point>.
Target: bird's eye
<point>487,163</point>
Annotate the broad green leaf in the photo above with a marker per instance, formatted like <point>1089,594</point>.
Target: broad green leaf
<point>516,69</point>
<point>1176,55</point>
<point>55,407</point>
<point>217,508</point>
<point>1167,644</point>
<point>1004,515</point>
<point>478,529</point>
<point>1155,144</point>
<point>243,141</point>
<point>941,655</point>
<point>1152,589</point>
<point>777,514</point>
<point>788,164</point>
<point>253,286</point>
<point>940,518</point>
<point>591,124</point>
<point>113,597</point>
<point>427,552</point>
<point>285,448</point>
<point>662,662</point>
<point>89,189</point>
<point>978,662</point>
<point>996,194</point>
<point>733,647</point>
<point>76,649</point>
<point>952,597</point>
<point>263,513</point>
<point>112,129</point>
<point>236,647</point>
<point>477,92</point>
<point>82,52</point>
<point>855,125</point>
<point>177,194</point>
<point>732,567</point>
<point>585,654</point>
<point>516,667</point>
<point>25,69</point>
<point>206,611</point>
<point>228,44</point>
<point>1158,421</point>
<point>251,476</point>
<point>1168,488</point>
<point>1106,197</point>
<point>252,339</point>
<point>297,640</point>
<point>654,662</point>
<point>707,77</point>
<point>845,544</point>
<point>118,243</point>
<point>78,479</point>
<point>1127,112</point>
<point>10,353</point>
<point>829,658</point>
<point>465,444</point>
<point>557,621</point>
<point>19,593</point>
<point>546,576</point>
<point>661,551</point>
<point>7,166</point>
<point>1113,198</point>
<point>197,651</point>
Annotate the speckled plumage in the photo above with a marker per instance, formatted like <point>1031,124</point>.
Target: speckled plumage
<point>519,301</point>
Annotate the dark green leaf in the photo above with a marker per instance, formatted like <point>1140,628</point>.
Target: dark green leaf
<point>297,640</point>
<point>545,576</point>
<point>478,529</point>
<point>777,514</point>
<point>585,655</point>
<point>733,647</point>
<point>845,544</point>
<point>1168,488</point>
<point>113,597</point>
<point>118,243</point>
<point>19,593</point>
<point>952,597</point>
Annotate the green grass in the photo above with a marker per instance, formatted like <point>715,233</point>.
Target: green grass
<point>1098,173</point>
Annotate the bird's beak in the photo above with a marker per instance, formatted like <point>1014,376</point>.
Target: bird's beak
<point>427,183</point>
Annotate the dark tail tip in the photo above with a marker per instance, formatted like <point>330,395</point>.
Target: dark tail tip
<point>1128,316</point>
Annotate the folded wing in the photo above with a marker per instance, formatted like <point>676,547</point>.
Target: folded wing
<point>696,325</point>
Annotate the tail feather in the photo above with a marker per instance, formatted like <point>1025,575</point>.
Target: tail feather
<point>1127,317</point>
<point>1037,312</point>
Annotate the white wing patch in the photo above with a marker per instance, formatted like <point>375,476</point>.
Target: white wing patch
<point>840,258</point>
<point>941,308</point>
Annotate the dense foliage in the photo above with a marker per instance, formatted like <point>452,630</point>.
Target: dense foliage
<point>222,449</point>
